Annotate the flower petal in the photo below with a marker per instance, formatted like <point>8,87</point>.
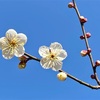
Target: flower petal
<point>11,34</point>
<point>19,51</point>
<point>57,65</point>
<point>62,54</point>
<point>7,53</point>
<point>21,39</point>
<point>43,51</point>
<point>46,63</point>
<point>56,45</point>
<point>1,42</point>
<point>5,43</point>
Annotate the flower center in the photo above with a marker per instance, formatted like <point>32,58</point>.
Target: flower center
<point>52,55</point>
<point>13,43</point>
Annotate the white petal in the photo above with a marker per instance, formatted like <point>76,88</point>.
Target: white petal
<point>21,38</point>
<point>62,55</point>
<point>19,51</point>
<point>57,65</point>
<point>43,51</point>
<point>56,45</point>
<point>11,34</point>
<point>1,42</point>
<point>46,63</point>
<point>5,44</point>
<point>8,53</point>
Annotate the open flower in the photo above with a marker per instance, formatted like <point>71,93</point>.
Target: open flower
<point>12,44</point>
<point>52,56</point>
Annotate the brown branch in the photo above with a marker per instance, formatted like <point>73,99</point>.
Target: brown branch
<point>90,57</point>
<point>80,81</point>
<point>31,57</point>
<point>70,76</point>
<point>86,42</point>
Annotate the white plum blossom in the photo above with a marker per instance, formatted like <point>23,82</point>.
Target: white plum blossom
<point>52,56</point>
<point>13,44</point>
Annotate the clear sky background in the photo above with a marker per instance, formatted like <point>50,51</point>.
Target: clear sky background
<point>44,22</point>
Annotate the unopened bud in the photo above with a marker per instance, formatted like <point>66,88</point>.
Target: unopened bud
<point>84,53</point>
<point>82,37</point>
<point>88,35</point>
<point>97,63</point>
<point>62,76</point>
<point>89,50</point>
<point>22,65</point>
<point>71,5</point>
<point>83,19</point>
<point>23,58</point>
<point>93,76</point>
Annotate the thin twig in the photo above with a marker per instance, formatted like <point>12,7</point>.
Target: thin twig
<point>86,42</point>
<point>31,57</point>
<point>70,76</point>
<point>80,81</point>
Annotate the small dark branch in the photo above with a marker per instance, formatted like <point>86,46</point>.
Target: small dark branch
<point>87,46</point>
<point>86,42</point>
<point>96,76</point>
<point>70,76</point>
<point>80,81</point>
<point>76,9</point>
<point>31,57</point>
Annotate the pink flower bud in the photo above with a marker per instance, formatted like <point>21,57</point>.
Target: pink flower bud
<point>97,63</point>
<point>89,50</point>
<point>84,53</point>
<point>82,37</point>
<point>88,35</point>
<point>83,19</point>
<point>93,76</point>
<point>71,5</point>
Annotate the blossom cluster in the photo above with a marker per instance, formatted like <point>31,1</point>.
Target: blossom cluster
<point>13,45</point>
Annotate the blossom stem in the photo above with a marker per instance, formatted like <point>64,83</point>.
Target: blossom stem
<point>31,57</point>
<point>69,75</point>
<point>81,82</point>
<point>86,42</point>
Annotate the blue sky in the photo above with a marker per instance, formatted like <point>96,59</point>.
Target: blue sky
<point>44,22</point>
